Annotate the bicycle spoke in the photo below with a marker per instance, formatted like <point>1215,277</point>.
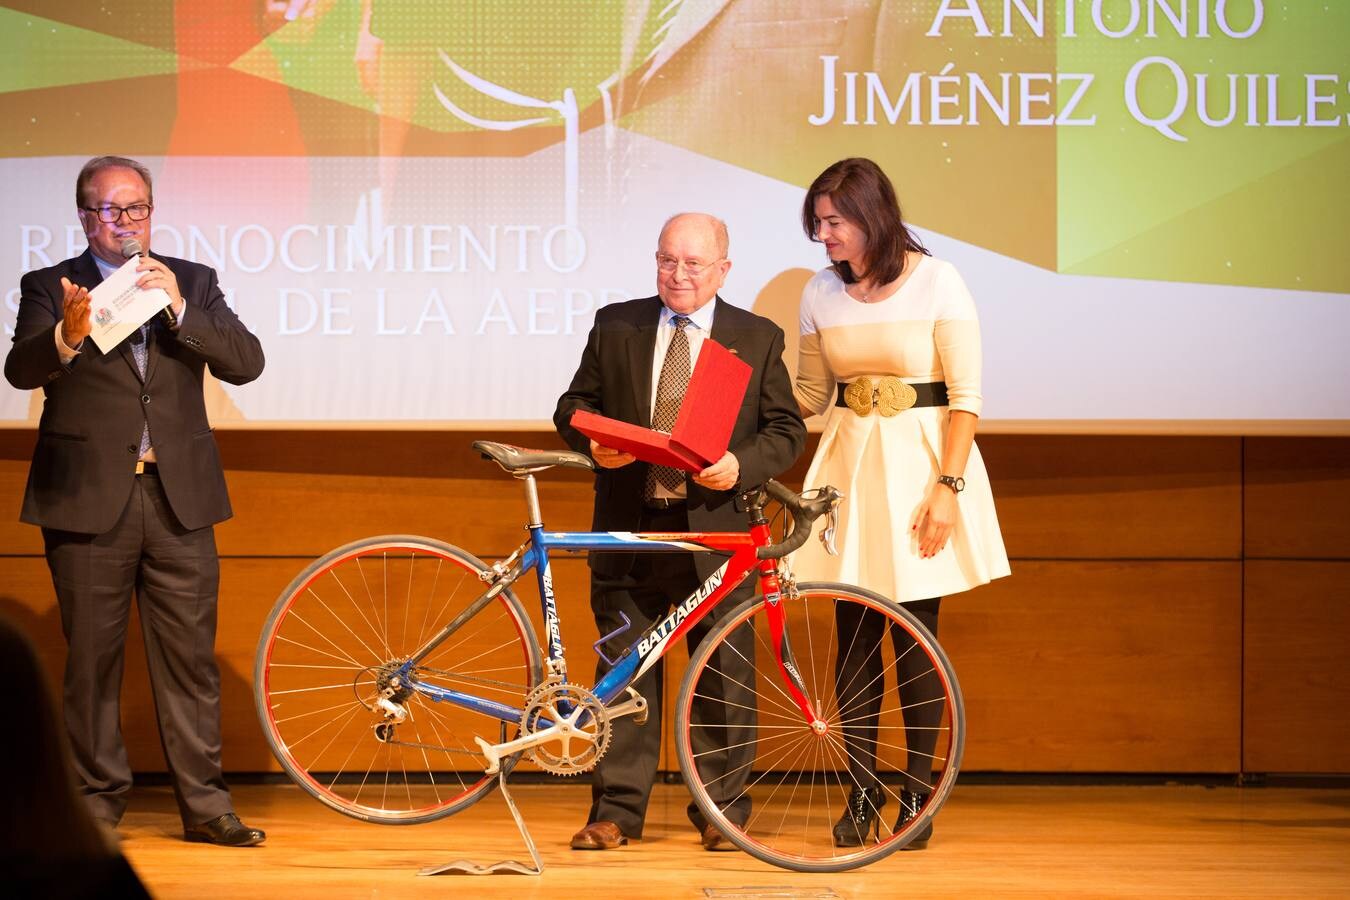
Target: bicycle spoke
<point>356,611</point>
<point>758,753</point>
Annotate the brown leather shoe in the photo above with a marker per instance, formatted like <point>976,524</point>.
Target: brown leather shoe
<point>599,836</point>
<point>715,841</point>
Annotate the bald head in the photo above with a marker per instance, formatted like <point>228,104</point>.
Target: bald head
<point>692,262</point>
<point>701,220</point>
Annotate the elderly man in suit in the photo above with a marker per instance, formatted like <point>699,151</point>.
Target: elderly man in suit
<point>635,366</point>
<point>126,484</point>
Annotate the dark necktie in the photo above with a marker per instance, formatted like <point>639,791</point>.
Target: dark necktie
<point>670,390</point>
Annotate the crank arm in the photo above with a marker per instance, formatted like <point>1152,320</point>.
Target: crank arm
<point>562,730</point>
<point>634,706</point>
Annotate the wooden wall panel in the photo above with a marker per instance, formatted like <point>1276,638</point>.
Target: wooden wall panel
<point>1297,495</point>
<point>249,588</point>
<point>1296,681</point>
<point>304,493</point>
<point>1101,666</point>
<point>308,515</point>
<point>16,449</point>
<point>26,597</point>
<point>1127,551</point>
<point>1099,497</point>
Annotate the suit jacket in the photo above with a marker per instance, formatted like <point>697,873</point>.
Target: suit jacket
<point>90,432</point>
<point>615,380</point>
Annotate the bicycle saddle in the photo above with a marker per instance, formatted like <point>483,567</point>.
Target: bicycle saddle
<point>522,459</point>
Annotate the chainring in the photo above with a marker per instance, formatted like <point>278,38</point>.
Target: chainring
<point>544,708</point>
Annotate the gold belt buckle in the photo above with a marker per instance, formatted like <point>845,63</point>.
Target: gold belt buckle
<point>888,396</point>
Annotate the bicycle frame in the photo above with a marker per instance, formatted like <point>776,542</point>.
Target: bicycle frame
<point>643,653</point>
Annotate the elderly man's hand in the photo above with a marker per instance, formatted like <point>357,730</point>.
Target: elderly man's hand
<point>721,475</point>
<point>609,458</point>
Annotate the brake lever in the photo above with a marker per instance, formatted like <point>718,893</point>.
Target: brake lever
<point>831,526</point>
<point>827,533</point>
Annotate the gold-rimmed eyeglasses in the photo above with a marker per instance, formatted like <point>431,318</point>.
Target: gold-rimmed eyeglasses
<point>692,267</point>
<point>136,212</point>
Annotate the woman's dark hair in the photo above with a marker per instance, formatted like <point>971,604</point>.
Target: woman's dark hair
<point>864,196</point>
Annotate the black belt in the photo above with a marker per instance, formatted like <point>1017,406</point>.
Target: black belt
<point>147,468</point>
<point>664,503</point>
<point>928,393</point>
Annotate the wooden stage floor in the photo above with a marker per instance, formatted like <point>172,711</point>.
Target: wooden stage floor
<point>990,841</point>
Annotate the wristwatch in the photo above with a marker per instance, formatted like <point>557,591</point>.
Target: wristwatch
<point>955,482</point>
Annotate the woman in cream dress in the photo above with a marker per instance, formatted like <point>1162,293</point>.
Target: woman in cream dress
<point>887,325</point>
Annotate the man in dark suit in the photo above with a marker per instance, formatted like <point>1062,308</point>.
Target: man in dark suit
<point>624,374</point>
<point>126,483</point>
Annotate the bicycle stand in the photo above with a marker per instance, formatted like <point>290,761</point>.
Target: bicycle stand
<point>505,867</point>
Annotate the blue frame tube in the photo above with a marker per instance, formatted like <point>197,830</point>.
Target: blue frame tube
<point>537,558</point>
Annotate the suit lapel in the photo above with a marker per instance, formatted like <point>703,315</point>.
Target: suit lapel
<point>85,272</point>
<point>152,337</point>
<point>641,348</point>
<point>724,330</point>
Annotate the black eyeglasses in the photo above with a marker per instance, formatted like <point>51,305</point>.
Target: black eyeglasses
<point>137,212</point>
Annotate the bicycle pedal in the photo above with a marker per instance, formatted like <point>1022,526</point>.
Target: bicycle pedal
<point>635,706</point>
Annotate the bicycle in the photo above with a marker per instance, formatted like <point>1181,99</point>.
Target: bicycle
<point>383,658</point>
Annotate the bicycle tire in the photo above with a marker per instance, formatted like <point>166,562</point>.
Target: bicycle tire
<point>795,780</point>
<point>365,605</point>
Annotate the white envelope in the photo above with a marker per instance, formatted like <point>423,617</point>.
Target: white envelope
<point>117,307</point>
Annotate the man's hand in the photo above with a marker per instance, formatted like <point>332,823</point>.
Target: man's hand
<point>609,458</point>
<point>721,475</point>
<point>75,324</point>
<point>158,275</point>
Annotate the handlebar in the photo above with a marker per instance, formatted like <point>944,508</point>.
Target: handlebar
<point>804,514</point>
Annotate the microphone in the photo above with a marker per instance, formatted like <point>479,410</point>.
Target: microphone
<point>132,248</point>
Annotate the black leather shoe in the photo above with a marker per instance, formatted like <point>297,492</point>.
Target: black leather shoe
<point>911,804</point>
<point>227,831</point>
<point>860,817</point>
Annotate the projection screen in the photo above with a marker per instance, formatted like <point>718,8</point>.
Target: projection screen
<point>419,206</point>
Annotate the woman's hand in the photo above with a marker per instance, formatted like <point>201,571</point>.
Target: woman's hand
<point>935,520</point>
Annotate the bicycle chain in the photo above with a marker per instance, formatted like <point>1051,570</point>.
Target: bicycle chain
<point>436,747</point>
<point>472,679</point>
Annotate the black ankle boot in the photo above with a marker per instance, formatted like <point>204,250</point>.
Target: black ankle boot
<point>860,817</point>
<point>911,804</point>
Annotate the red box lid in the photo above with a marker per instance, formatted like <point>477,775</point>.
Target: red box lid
<point>703,427</point>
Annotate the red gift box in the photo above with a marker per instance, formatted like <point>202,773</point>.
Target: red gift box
<point>703,428</point>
